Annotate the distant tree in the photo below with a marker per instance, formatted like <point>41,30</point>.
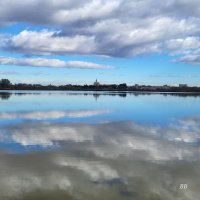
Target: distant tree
<point>122,86</point>
<point>5,83</point>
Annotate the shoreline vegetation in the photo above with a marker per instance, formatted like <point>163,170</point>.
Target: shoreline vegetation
<point>5,84</point>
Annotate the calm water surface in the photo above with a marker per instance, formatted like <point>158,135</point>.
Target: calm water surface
<point>99,146</point>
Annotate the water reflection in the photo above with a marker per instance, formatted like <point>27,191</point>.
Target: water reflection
<point>52,114</point>
<point>161,143</point>
<point>43,156</point>
<point>5,95</point>
<point>113,160</point>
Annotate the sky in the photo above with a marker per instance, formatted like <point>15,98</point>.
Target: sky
<point>116,41</point>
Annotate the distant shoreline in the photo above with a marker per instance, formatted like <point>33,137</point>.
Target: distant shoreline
<point>5,84</point>
<point>122,91</point>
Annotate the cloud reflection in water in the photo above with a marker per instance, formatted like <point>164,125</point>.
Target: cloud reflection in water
<point>42,115</point>
<point>116,160</point>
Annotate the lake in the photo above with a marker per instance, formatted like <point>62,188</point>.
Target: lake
<point>57,145</point>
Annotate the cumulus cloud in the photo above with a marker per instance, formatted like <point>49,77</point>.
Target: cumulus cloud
<point>53,63</point>
<point>110,37</point>
<point>189,58</point>
<point>55,12</point>
<point>116,28</point>
<point>47,42</point>
<point>185,49</point>
<point>183,43</point>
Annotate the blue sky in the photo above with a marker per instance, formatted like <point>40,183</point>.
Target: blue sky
<point>115,41</point>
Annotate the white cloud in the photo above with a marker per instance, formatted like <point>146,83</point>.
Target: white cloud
<point>53,63</point>
<point>108,37</point>
<point>47,42</point>
<point>183,44</point>
<point>95,9</point>
<point>121,28</point>
<point>192,58</point>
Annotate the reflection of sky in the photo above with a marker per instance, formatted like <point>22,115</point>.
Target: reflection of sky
<point>116,160</point>
<point>76,147</point>
<point>127,134</point>
<point>40,119</point>
<point>143,108</point>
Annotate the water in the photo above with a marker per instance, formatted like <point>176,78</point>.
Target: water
<point>105,145</point>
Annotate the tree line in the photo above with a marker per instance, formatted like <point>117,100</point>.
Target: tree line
<point>6,84</point>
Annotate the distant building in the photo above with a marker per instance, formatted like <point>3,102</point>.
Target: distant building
<point>96,83</point>
<point>165,87</point>
<point>136,86</point>
<point>183,85</point>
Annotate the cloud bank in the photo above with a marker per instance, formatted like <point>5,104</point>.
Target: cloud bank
<point>52,63</point>
<point>116,28</point>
